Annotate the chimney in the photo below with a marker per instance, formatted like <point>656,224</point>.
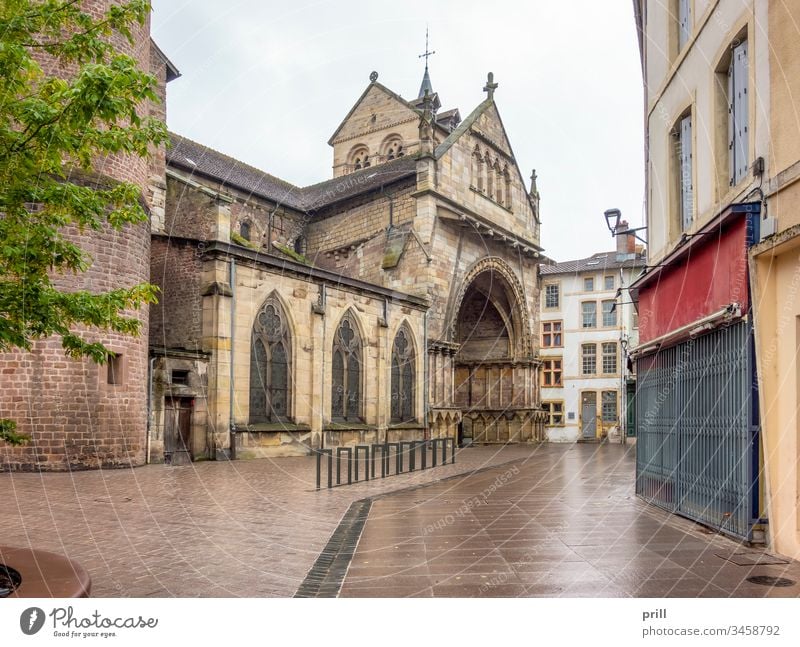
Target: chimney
<point>622,240</point>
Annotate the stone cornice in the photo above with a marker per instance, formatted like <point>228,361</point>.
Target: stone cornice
<point>219,250</point>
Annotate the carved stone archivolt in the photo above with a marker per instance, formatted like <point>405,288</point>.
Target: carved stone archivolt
<point>515,292</point>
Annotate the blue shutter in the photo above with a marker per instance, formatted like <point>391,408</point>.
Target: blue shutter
<point>731,127</point>
<point>687,190</point>
<point>740,111</point>
<point>684,28</point>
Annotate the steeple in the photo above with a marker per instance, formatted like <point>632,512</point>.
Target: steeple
<point>426,84</point>
<point>426,88</point>
<point>426,78</point>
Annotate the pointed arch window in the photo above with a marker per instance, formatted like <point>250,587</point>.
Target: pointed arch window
<point>403,383</point>
<point>500,190</point>
<point>507,183</point>
<point>270,365</point>
<point>477,170</point>
<point>244,229</point>
<point>346,382</point>
<point>489,177</point>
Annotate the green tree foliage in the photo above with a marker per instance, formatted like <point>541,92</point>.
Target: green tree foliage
<point>53,130</point>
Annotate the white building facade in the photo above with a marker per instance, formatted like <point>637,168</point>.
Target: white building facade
<point>587,324</point>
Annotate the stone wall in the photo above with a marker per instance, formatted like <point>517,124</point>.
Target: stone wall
<point>75,417</point>
<point>378,117</point>
<point>312,337</point>
<point>175,267</point>
<point>350,238</point>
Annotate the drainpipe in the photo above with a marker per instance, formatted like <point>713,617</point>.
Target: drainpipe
<point>623,363</point>
<point>149,407</point>
<point>322,373</point>
<point>426,366</point>
<point>232,426</point>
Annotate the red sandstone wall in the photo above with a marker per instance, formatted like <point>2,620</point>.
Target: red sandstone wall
<point>75,418</point>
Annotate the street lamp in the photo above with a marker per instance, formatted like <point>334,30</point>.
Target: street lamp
<point>614,219</point>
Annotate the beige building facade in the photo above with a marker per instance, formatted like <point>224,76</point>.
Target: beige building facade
<point>722,81</point>
<point>587,326</point>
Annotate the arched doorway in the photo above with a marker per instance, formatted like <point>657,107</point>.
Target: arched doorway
<point>495,375</point>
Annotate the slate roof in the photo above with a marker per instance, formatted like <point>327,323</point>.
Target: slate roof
<point>196,158</point>
<point>347,186</point>
<point>599,261</point>
<point>230,172</point>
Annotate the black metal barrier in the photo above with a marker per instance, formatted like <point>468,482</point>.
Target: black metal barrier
<point>329,453</point>
<point>369,453</point>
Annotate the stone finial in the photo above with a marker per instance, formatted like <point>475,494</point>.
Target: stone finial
<point>426,124</point>
<point>490,86</point>
<point>534,193</point>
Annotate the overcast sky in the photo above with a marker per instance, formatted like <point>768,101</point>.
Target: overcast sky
<point>268,82</point>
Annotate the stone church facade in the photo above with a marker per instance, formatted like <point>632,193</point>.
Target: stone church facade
<point>397,300</point>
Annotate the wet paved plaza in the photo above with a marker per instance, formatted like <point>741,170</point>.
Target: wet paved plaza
<point>550,520</point>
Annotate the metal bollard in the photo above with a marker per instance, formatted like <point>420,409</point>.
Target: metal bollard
<point>379,447</point>
<point>408,445</point>
<point>319,453</point>
<point>365,449</point>
<point>398,463</point>
<point>339,452</point>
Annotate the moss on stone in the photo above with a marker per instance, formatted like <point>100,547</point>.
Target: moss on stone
<point>300,258</point>
<point>241,240</point>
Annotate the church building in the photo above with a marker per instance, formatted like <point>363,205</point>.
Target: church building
<point>396,301</point>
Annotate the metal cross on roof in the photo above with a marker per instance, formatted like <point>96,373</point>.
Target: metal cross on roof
<point>427,53</point>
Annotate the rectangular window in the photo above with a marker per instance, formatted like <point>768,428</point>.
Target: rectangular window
<point>684,23</point>
<point>551,334</point>
<point>555,413</point>
<point>589,312</point>
<point>738,111</point>
<point>609,313</point>
<point>608,282</point>
<point>551,296</point>
<point>588,284</point>
<point>552,372</point>
<point>610,357</point>
<point>180,377</point>
<point>683,150</point>
<point>635,319</point>
<point>609,404</point>
<point>588,359</point>
<point>114,368</point>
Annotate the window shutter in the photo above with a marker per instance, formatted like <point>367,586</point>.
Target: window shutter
<point>740,111</point>
<point>687,190</point>
<point>683,23</point>
<point>731,127</point>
